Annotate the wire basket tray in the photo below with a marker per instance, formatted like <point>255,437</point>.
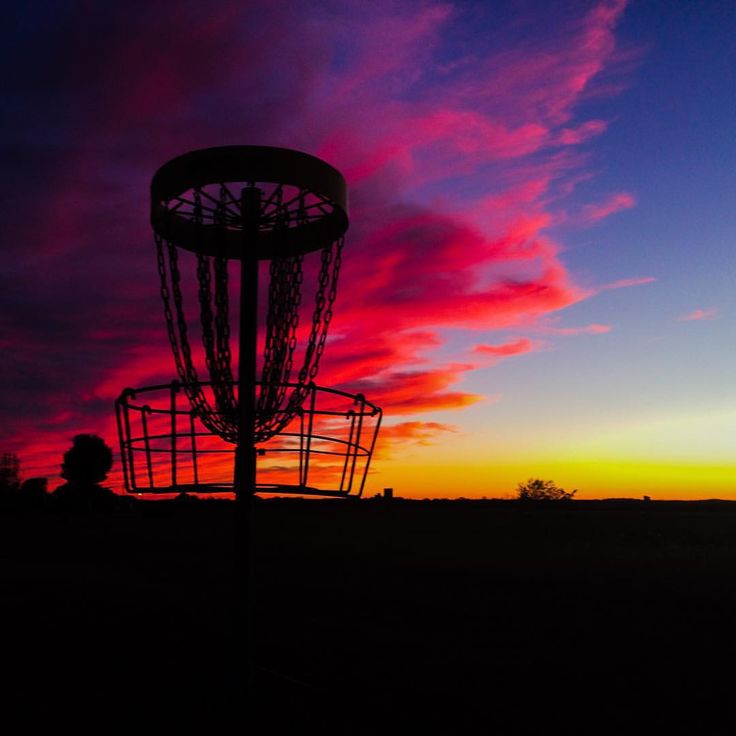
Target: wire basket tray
<point>325,450</point>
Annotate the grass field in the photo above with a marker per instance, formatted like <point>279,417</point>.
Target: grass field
<point>456,617</point>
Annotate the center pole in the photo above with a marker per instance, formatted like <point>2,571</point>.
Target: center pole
<point>245,465</point>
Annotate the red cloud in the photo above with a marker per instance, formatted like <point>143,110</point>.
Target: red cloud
<point>410,392</point>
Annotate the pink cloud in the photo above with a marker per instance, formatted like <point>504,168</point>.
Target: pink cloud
<point>615,203</point>
<point>626,283</point>
<point>548,78</point>
<point>699,314</point>
<point>582,133</point>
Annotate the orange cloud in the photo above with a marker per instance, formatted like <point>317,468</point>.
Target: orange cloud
<point>393,438</point>
<point>419,433</point>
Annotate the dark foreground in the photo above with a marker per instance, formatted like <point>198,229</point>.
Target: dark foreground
<point>453,617</point>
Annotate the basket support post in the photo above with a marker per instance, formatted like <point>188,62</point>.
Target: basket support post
<point>245,456</point>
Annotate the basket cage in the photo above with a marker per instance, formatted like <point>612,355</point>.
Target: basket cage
<point>325,450</point>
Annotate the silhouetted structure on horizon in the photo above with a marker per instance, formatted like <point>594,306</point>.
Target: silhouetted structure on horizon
<point>9,473</point>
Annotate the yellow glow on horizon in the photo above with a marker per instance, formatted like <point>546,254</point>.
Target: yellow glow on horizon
<point>593,478</point>
<point>667,454</point>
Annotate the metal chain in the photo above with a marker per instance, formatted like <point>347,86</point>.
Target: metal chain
<point>206,316</point>
<point>321,318</point>
<point>274,410</point>
<point>225,395</point>
<point>331,296</point>
<point>272,345</point>
<point>281,325</point>
<point>166,298</point>
<point>177,330</point>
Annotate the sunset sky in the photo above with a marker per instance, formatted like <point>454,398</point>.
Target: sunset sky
<point>539,272</point>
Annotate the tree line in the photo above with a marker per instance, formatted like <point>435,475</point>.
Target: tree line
<point>84,467</point>
<point>88,461</point>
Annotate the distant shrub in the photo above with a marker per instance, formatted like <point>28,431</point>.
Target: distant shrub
<point>34,487</point>
<point>536,489</point>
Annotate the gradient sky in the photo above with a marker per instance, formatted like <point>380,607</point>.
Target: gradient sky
<point>539,270</point>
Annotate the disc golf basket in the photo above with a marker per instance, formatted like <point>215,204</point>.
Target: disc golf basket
<point>254,205</point>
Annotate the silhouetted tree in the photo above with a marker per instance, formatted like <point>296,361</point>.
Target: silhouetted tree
<point>86,464</point>
<point>9,473</point>
<point>536,489</point>
<point>88,461</point>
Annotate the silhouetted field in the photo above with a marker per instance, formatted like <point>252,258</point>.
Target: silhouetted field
<point>596,617</point>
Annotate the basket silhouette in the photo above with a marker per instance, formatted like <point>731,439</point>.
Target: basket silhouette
<point>325,450</point>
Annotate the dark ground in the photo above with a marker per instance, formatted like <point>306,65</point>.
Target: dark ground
<point>454,617</point>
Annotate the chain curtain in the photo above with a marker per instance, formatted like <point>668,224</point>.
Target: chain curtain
<point>276,405</point>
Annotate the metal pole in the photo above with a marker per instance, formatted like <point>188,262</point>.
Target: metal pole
<point>172,405</point>
<point>245,458</point>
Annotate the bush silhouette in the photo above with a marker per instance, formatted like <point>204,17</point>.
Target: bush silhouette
<point>536,489</point>
<point>88,461</point>
<point>34,487</point>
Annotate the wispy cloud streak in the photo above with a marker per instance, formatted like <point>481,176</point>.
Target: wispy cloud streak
<point>507,349</point>
<point>698,315</point>
<point>592,329</point>
<point>592,213</point>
